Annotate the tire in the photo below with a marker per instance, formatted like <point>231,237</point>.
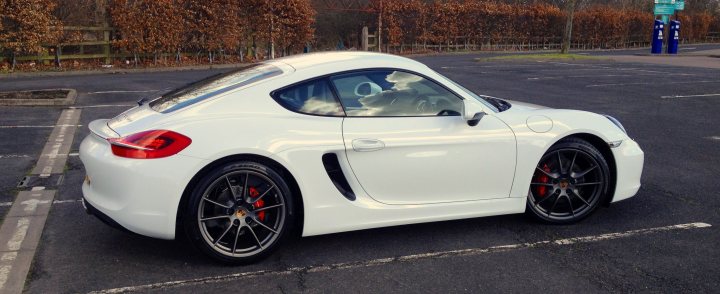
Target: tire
<point>246,206</point>
<point>569,183</point>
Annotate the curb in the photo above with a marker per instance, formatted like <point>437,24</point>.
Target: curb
<point>120,71</point>
<point>68,100</point>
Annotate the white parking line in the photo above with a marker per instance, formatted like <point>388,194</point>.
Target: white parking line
<point>716,138</point>
<point>688,96</point>
<point>103,105</point>
<point>405,258</point>
<point>5,204</point>
<point>29,126</point>
<point>3,156</point>
<point>121,91</point>
<point>650,83</point>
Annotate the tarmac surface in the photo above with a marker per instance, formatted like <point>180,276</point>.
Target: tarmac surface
<point>672,111</point>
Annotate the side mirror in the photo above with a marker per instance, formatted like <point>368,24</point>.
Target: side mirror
<point>475,119</point>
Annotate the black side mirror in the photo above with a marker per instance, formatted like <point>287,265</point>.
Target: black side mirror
<point>475,119</point>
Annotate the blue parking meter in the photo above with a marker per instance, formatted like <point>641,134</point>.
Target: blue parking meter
<point>657,41</point>
<point>673,37</point>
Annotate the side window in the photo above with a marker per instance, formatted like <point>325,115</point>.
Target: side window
<point>394,93</point>
<point>314,97</point>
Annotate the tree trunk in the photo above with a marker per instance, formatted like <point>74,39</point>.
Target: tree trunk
<point>567,35</point>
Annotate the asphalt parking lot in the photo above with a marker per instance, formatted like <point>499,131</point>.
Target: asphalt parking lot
<point>671,111</point>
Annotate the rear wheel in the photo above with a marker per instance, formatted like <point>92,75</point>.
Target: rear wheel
<point>569,182</point>
<point>239,212</point>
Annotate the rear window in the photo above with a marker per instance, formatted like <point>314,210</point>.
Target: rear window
<point>213,86</point>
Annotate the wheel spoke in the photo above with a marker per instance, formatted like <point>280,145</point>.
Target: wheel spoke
<point>589,183</point>
<point>245,185</point>
<point>583,173</point>
<point>255,236</point>
<point>572,210</point>
<point>268,207</point>
<point>237,234</point>
<point>553,206</point>
<point>552,175</point>
<point>572,163</point>
<point>218,204</point>
<point>544,199</point>
<point>560,166</point>
<point>263,194</point>
<point>230,187</point>
<point>214,217</point>
<point>542,184</point>
<point>223,234</point>
<point>263,225</point>
<point>578,196</point>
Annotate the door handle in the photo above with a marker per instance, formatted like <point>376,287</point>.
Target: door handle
<point>367,145</point>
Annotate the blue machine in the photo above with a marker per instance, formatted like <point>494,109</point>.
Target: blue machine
<point>673,37</point>
<point>657,41</point>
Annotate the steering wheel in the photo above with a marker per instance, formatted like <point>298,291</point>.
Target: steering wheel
<point>422,104</point>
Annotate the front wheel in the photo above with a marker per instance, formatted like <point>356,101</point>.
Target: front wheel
<point>569,182</point>
<point>239,212</point>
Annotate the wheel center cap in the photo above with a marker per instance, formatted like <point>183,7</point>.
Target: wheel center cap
<point>240,213</point>
<point>564,184</point>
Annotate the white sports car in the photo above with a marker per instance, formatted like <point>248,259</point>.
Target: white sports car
<point>333,142</point>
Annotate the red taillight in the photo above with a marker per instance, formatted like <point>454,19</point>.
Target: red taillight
<point>149,144</point>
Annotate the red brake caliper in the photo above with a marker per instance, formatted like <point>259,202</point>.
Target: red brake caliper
<point>542,178</point>
<point>260,203</point>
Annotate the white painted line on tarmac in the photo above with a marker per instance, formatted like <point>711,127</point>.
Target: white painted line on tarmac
<point>74,154</point>
<point>650,83</point>
<point>716,138</point>
<point>4,156</point>
<point>121,91</point>
<point>7,258</point>
<point>5,204</point>
<point>405,258</point>
<point>689,96</point>
<point>28,126</point>
<point>103,105</point>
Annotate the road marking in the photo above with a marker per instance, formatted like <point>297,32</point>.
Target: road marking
<point>716,138</point>
<point>122,91</point>
<point>19,235</point>
<point>405,258</point>
<point>26,126</point>
<point>3,156</point>
<point>651,83</point>
<point>688,96</point>
<point>608,75</point>
<point>104,105</point>
<point>7,258</point>
<point>4,204</point>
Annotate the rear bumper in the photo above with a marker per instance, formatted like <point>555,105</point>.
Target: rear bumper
<point>140,195</point>
<point>629,161</point>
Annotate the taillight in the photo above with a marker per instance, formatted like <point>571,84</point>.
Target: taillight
<point>149,144</point>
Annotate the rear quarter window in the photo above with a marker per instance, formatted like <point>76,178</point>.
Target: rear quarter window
<point>213,86</point>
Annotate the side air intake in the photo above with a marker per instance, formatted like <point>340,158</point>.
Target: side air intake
<point>332,167</point>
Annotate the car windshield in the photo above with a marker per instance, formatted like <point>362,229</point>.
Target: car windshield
<point>471,93</point>
<point>213,86</point>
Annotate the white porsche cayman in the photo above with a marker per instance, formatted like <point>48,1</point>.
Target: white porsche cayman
<point>332,142</point>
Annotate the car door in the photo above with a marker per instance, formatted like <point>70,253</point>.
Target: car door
<point>407,142</point>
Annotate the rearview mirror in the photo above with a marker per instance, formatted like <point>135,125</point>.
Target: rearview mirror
<point>475,119</point>
<point>473,113</point>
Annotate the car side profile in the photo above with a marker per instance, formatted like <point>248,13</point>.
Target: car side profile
<point>332,142</point>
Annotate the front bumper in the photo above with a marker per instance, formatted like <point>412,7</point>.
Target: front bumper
<point>140,195</point>
<point>629,160</point>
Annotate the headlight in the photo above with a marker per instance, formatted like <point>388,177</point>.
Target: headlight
<point>616,122</point>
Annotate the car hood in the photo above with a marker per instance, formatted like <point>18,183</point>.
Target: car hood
<point>517,105</point>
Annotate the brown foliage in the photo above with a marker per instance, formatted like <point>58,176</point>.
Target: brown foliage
<point>25,25</point>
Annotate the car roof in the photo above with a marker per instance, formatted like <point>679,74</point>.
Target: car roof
<point>304,61</point>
